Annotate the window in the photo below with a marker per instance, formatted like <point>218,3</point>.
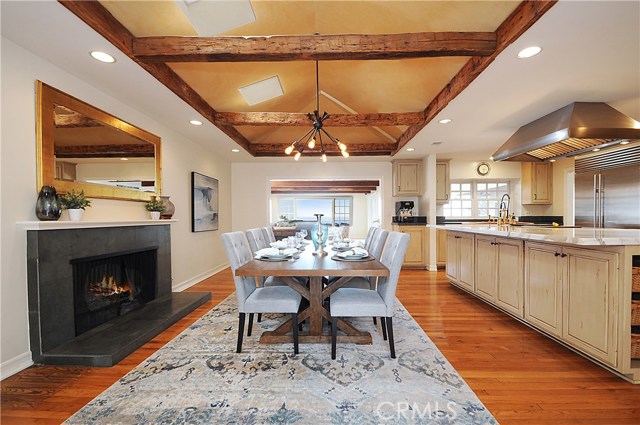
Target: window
<point>335,210</point>
<point>471,198</point>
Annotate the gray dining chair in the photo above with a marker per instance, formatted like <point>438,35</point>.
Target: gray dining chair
<point>354,302</point>
<point>257,239</point>
<point>367,241</point>
<point>268,231</point>
<point>378,238</point>
<point>252,299</point>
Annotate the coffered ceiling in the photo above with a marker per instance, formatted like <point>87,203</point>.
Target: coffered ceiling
<point>386,68</point>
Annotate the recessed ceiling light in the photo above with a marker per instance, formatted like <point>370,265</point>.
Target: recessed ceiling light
<point>437,143</point>
<point>235,150</point>
<point>445,121</point>
<point>596,150</point>
<point>195,122</point>
<point>552,160</point>
<point>624,142</point>
<point>102,57</point>
<point>529,51</point>
<point>124,159</point>
<point>411,149</point>
<point>490,158</point>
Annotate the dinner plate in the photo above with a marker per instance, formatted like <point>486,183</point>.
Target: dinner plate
<point>276,258</point>
<point>341,248</point>
<point>352,258</point>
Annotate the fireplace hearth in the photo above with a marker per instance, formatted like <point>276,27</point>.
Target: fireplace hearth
<point>93,303</point>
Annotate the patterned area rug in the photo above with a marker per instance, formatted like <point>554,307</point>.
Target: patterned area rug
<point>197,378</point>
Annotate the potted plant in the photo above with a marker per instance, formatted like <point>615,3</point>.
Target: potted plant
<point>155,207</point>
<point>75,202</point>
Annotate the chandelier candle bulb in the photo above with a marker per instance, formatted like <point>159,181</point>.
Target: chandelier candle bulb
<point>345,154</point>
<point>297,157</point>
<point>288,150</point>
<point>312,143</point>
<point>324,157</point>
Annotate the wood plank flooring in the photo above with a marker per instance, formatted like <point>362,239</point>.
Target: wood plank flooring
<point>521,376</point>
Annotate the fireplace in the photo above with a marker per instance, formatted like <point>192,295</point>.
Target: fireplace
<point>111,285</point>
<point>98,291</point>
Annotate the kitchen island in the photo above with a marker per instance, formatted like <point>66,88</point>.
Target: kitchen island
<point>571,284</point>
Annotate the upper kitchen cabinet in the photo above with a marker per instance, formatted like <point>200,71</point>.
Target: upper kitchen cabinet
<point>537,178</point>
<point>442,182</point>
<point>406,178</point>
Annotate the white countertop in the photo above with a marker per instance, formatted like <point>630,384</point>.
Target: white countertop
<point>574,236</point>
<point>60,224</point>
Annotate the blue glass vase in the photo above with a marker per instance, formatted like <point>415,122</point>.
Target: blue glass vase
<point>314,236</point>
<point>48,206</point>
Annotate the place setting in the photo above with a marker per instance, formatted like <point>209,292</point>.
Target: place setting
<point>277,254</point>
<point>352,254</point>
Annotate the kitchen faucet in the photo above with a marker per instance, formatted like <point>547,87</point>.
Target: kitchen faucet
<point>504,209</point>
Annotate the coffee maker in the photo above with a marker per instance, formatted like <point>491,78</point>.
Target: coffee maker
<point>404,210</point>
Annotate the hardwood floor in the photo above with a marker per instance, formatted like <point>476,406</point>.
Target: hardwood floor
<point>521,376</point>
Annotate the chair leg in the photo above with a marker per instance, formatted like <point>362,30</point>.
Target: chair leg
<point>259,317</point>
<point>392,347</point>
<point>240,333</point>
<point>375,322</point>
<point>334,336</point>
<point>250,324</point>
<point>294,327</point>
<point>383,325</point>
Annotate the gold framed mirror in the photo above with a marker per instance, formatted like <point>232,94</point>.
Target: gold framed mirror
<point>82,147</point>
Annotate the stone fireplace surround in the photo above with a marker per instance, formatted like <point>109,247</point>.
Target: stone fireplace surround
<point>50,247</point>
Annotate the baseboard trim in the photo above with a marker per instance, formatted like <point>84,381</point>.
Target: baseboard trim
<point>432,268</point>
<point>15,365</point>
<point>198,278</point>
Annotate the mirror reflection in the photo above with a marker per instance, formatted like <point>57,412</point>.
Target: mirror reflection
<point>88,151</point>
<point>82,147</point>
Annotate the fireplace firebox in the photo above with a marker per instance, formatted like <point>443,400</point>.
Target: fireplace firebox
<point>111,285</point>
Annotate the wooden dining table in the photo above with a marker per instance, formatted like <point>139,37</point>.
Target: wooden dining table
<point>314,267</point>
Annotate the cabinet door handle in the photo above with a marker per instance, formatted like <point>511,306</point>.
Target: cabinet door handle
<point>563,255</point>
<point>557,254</point>
<point>457,237</point>
<point>535,196</point>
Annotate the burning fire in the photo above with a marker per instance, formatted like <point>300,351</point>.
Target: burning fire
<point>109,286</point>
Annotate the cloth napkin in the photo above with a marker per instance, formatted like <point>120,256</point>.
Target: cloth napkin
<point>278,244</point>
<point>270,252</point>
<point>355,251</point>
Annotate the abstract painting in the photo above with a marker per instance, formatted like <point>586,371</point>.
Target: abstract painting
<point>204,208</point>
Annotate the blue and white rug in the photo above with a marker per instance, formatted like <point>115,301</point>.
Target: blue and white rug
<point>197,378</point>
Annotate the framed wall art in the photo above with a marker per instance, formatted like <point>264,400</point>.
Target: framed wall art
<point>204,207</point>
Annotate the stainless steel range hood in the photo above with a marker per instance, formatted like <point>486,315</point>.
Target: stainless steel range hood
<point>577,128</point>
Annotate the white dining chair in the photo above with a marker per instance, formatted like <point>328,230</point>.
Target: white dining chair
<point>257,239</point>
<point>376,245</point>
<point>252,299</point>
<point>354,302</point>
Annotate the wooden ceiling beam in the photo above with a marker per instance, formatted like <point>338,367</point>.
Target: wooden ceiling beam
<point>105,151</point>
<point>104,23</point>
<point>301,119</point>
<point>520,20</point>
<point>313,47</point>
<point>355,149</point>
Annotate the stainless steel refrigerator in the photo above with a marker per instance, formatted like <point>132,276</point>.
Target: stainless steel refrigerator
<point>608,198</point>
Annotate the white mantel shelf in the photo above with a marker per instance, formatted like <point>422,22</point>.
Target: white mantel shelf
<point>573,236</point>
<point>61,225</point>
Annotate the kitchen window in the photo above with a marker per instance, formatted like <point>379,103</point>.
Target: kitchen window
<point>336,210</point>
<point>475,199</point>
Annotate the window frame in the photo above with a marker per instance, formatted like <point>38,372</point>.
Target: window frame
<point>333,207</point>
<point>474,196</point>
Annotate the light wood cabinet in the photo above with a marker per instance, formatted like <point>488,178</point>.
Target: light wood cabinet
<point>571,293</point>
<point>443,185</point>
<point>499,273</point>
<point>417,255</point>
<point>537,179</point>
<point>460,259</point>
<point>441,248</point>
<point>406,178</point>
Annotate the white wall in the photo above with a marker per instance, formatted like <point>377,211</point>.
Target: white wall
<point>194,255</point>
<point>251,186</point>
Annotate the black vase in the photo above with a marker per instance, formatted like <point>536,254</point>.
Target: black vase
<point>48,206</point>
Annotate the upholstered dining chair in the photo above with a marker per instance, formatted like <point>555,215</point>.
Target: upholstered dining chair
<point>252,299</point>
<point>378,238</point>
<point>354,302</point>
<point>367,241</point>
<point>270,236</point>
<point>257,239</point>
